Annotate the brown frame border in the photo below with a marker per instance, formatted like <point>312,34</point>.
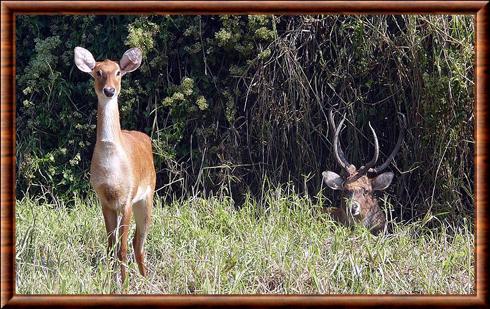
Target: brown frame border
<point>10,8</point>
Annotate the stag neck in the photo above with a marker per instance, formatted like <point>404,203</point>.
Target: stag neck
<point>108,125</point>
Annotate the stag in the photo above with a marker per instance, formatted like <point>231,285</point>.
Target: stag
<point>359,205</point>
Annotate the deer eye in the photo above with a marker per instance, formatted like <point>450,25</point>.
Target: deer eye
<point>99,73</point>
<point>118,73</point>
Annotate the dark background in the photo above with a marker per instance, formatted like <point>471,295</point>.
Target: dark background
<point>235,104</point>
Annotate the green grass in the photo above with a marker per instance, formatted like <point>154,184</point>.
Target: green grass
<point>207,246</point>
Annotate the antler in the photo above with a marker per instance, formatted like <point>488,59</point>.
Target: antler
<point>403,123</point>
<point>340,157</point>
<point>364,169</point>
<point>337,149</point>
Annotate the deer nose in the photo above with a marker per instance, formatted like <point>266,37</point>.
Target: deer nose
<point>355,208</point>
<point>109,91</point>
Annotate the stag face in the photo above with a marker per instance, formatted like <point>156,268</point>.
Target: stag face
<point>359,205</point>
<point>358,201</point>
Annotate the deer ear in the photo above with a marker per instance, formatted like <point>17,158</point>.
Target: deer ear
<point>382,181</point>
<point>84,60</point>
<point>131,60</point>
<point>333,180</point>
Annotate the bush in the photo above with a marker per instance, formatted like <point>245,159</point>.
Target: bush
<point>232,100</point>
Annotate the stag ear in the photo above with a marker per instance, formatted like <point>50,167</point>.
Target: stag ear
<point>84,60</point>
<point>382,181</point>
<point>131,60</point>
<point>333,180</point>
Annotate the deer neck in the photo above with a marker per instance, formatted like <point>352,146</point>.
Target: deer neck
<point>108,126</point>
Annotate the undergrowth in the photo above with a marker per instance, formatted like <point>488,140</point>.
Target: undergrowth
<point>287,245</point>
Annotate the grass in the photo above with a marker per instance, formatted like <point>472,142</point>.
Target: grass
<point>206,246</point>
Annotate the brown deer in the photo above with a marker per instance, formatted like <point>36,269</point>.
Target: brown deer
<point>122,171</point>
<point>358,185</point>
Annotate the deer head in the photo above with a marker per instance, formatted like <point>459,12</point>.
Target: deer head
<point>358,185</point>
<point>107,73</point>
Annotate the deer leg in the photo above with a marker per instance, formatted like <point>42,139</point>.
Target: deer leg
<point>110,219</point>
<point>142,215</point>
<point>123,240</point>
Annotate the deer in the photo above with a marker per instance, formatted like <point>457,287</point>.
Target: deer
<point>122,173</point>
<point>357,186</point>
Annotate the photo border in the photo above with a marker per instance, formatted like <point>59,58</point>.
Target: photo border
<point>9,9</point>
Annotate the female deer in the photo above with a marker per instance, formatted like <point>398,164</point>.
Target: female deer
<point>121,172</point>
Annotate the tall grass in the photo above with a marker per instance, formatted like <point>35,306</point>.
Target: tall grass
<point>287,244</point>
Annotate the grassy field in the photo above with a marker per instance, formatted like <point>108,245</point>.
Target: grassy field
<point>288,245</point>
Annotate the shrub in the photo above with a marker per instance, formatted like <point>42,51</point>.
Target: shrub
<point>232,100</point>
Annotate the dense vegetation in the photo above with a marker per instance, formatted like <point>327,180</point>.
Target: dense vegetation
<point>208,246</point>
<point>232,102</point>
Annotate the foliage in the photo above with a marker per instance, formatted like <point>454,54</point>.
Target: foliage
<point>207,246</point>
<point>232,100</point>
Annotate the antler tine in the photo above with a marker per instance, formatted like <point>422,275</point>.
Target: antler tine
<point>364,169</point>
<point>337,149</point>
<point>403,123</point>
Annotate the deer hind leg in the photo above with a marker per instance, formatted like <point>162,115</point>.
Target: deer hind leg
<point>142,215</point>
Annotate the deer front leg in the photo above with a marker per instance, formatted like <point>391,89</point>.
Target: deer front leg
<point>123,240</point>
<point>110,219</point>
<point>117,235</point>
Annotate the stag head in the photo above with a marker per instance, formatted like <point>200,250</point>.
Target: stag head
<point>358,185</point>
